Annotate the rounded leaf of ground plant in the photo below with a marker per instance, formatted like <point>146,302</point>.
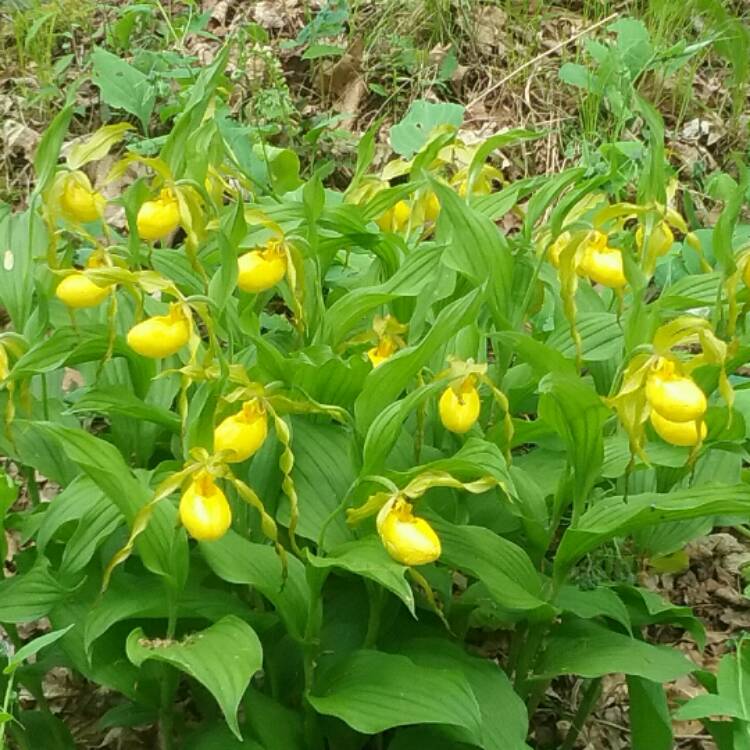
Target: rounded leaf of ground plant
<point>373,691</point>
<point>585,648</point>
<point>223,658</point>
<point>409,135</point>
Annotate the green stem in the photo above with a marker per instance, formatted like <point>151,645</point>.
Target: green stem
<point>527,656</point>
<point>315,581</point>
<point>32,485</point>
<point>169,682</point>
<point>588,701</point>
<point>375,598</point>
<point>6,707</point>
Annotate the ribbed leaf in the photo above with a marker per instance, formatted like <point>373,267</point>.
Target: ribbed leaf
<point>582,647</point>
<point>237,560</point>
<point>503,567</point>
<point>368,558</point>
<point>615,516</point>
<point>223,658</point>
<point>373,691</point>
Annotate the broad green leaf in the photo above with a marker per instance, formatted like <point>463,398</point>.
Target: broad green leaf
<point>416,272</point>
<point>386,427</point>
<point>502,566</point>
<point>577,414</point>
<point>476,249</point>
<point>368,558</point>
<point>617,516</point>
<point>239,561</point>
<point>31,595</point>
<point>601,337</point>
<point>219,737</point>
<point>119,603</point>
<point>118,400</point>
<point>373,691</point>
<point>587,649</point>
<point>691,291</point>
<point>504,716</point>
<point>34,647</point>
<point>48,150</point>
<point>223,658</point>
<point>41,729</point>
<point>648,608</point>
<point>408,136</point>
<point>123,86</point>
<point>192,112</point>
<point>598,602</point>
<point>541,357</point>
<point>324,469</point>
<point>384,384</point>
<point>650,723</point>
<point>71,504</point>
<point>162,549</point>
<point>94,529</point>
<point>275,725</point>
<point>436,738</point>
<point>23,236</point>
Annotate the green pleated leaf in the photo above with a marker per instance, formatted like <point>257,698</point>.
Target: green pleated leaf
<point>504,716</point>
<point>373,691</point>
<point>368,558</point>
<point>650,723</point>
<point>34,647</point>
<point>577,414</point>
<point>237,560</point>
<point>601,337</point>
<point>323,470</point>
<point>31,595</point>
<point>476,249</point>
<point>587,649</point>
<point>386,427</point>
<point>110,400</point>
<point>598,602</point>
<point>616,516</point>
<point>502,566</point>
<point>223,658</point>
<point>162,549</point>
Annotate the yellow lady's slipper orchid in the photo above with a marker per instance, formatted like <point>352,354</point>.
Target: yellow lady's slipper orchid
<point>79,201</point>
<point>204,509</point>
<point>431,206</point>
<point>677,433</point>
<point>601,263</point>
<point>159,217</point>
<point>557,247</point>
<point>161,335</point>
<point>673,396</point>
<point>660,240</point>
<point>396,218</point>
<point>382,351</point>
<point>262,269</point>
<point>78,291</point>
<point>408,539</point>
<point>4,364</point>
<point>242,433</point>
<point>459,407</point>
